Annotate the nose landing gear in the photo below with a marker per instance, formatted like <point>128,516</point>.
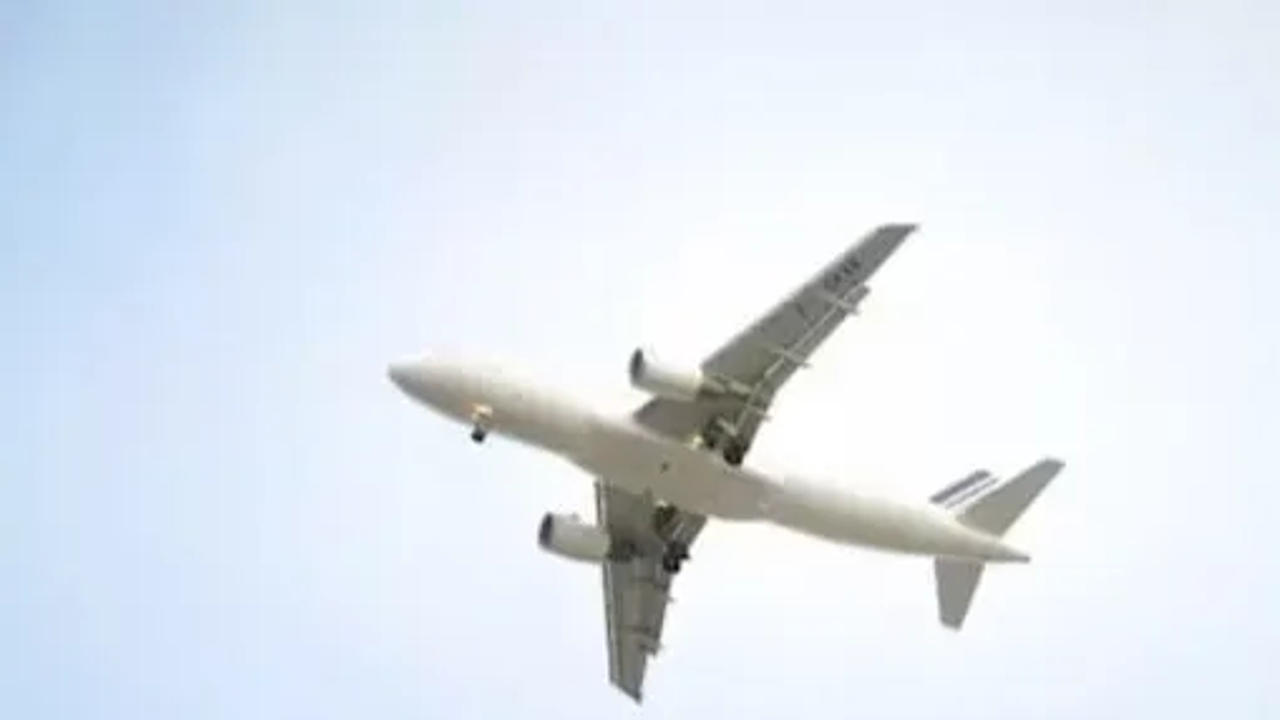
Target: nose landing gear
<point>481,418</point>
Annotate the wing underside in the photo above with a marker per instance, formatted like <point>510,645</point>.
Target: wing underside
<point>637,587</point>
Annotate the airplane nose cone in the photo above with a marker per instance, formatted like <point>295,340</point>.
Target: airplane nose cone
<point>399,372</point>
<point>428,380</point>
<point>411,375</point>
<point>421,378</point>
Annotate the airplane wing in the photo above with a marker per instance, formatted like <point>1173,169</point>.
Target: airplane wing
<point>636,583</point>
<point>758,360</point>
<point>754,364</point>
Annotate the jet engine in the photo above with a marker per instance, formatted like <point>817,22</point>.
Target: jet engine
<point>666,381</point>
<point>569,537</point>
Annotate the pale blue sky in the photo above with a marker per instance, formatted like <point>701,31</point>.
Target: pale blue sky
<point>219,224</point>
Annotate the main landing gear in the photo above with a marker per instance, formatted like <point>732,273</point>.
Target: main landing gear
<point>719,435</point>
<point>478,434</point>
<point>674,552</point>
<point>734,452</point>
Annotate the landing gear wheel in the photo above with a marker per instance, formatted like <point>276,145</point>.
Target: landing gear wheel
<point>478,434</point>
<point>734,453</point>
<point>677,552</point>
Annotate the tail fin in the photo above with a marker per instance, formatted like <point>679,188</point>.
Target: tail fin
<point>955,580</point>
<point>985,504</point>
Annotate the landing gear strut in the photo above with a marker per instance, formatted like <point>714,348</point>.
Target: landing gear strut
<point>711,435</point>
<point>662,517</point>
<point>664,525</point>
<point>676,553</point>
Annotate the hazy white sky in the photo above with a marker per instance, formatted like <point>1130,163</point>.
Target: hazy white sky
<point>220,224</point>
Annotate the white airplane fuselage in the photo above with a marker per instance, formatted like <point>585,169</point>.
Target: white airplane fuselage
<point>620,451</point>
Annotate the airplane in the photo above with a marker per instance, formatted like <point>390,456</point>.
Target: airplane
<point>663,470</point>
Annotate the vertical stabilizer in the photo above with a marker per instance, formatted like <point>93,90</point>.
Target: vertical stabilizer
<point>991,507</point>
<point>956,581</point>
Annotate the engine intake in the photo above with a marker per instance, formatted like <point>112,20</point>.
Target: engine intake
<point>666,381</point>
<point>569,537</point>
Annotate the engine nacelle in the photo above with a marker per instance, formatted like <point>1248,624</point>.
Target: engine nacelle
<point>668,382</point>
<point>569,537</point>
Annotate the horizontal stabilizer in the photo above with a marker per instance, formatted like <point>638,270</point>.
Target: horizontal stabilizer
<point>953,493</point>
